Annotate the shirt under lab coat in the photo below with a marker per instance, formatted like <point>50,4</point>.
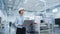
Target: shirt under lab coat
<point>19,20</point>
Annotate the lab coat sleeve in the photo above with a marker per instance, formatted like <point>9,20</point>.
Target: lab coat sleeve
<point>16,22</point>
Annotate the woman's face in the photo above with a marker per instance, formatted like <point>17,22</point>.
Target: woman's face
<point>22,12</point>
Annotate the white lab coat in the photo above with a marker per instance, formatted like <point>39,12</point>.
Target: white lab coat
<point>19,20</point>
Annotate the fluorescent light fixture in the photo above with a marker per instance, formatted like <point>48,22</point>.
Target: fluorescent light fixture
<point>55,10</point>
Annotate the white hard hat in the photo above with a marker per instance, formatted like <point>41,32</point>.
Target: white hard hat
<point>21,9</point>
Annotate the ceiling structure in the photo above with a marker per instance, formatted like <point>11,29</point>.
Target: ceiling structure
<point>31,5</point>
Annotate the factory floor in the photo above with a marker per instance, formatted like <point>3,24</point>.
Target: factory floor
<point>56,31</point>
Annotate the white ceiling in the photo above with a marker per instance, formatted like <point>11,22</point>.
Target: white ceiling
<point>38,5</point>
<point>52,3</point>
<point>32,5</point>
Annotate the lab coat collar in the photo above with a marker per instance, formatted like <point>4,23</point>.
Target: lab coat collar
<point>21,15</point>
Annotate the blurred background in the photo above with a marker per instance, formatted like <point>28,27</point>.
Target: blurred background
<point>44,11</point>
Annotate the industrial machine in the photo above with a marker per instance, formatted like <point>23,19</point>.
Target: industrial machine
<point>57,21</point>
<point>1,26</point>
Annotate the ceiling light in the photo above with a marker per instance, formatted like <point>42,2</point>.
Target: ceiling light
<point>55,10</point>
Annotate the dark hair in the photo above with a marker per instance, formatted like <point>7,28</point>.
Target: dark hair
<point>20,10</point>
